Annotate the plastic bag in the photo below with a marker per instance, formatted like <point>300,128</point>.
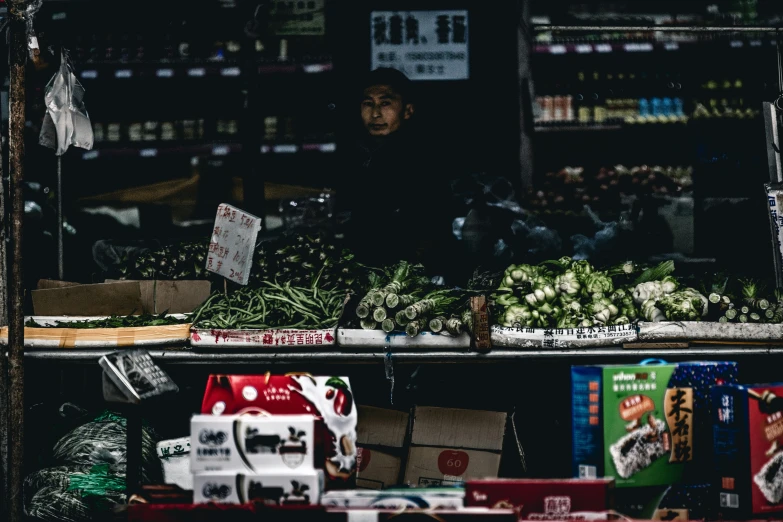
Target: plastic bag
<point>66,122</point>
<point>103,442</point>
<point>72,493</point>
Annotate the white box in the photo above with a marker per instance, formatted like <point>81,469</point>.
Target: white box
<point>411,498</point>
<point>272,489</point>
<point>252,443</point>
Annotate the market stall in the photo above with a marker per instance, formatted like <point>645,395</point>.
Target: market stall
<point>244,376</point>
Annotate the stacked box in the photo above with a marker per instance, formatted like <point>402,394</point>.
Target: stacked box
<point>243,458</point>
<point>749,457</point>
<point>402,498</point>
<point>645,425</point>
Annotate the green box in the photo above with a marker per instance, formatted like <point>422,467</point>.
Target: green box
<point>645,425</point>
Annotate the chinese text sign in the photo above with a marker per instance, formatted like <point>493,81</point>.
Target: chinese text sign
<point>233,243</point>
<point>425,45</point>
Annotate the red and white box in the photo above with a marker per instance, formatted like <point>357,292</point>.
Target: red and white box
<point>544,499</point>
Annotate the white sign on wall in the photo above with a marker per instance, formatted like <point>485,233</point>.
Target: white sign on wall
<point>425,45</point>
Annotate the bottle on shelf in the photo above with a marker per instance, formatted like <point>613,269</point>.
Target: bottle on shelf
<point>599,101</point>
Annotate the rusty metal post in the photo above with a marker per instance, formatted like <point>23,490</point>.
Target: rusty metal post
<point>16,121</point>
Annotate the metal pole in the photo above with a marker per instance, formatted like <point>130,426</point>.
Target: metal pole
<point>654,28</point>
<point>16,121</point>
<point>60,250</point>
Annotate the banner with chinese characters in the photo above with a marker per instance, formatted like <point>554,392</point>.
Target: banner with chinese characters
<point>554,338</point>
<point>425,45</point>
<point>275,339</point>
<point>297,18</point>
<point>775,201</point>
<point>678,407</point>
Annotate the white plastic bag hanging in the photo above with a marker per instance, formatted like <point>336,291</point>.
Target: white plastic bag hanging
<point>66,122</point>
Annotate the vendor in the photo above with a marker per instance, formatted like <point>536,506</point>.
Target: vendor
<point>395,186</point>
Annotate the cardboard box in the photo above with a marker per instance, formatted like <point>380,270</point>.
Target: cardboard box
<point>449,446</point>
<point>273,489</point>
<point>255,444</point>
<point>541,499</point>
<point>381,435</point>
<point>119,298</point>
<point>748,468</point>
<point>645,425</point>
<point>329,398</point>
<point>404,498</point>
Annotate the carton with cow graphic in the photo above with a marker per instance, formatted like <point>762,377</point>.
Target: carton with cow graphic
<point>271,489</point>
<point>254,443</point>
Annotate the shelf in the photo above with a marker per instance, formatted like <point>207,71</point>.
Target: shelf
<point>190,356</point>
<point>173,70</point>
<point>157,149</point>
<point>603,127</point>
<point>294,148</point>
<point>556,49</point>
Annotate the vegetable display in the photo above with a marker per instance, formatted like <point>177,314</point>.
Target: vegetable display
<point>273,305</point>
<point>298,259</point>
<point>183,260</point>
<point>403,299</point>
<point>130,321</point>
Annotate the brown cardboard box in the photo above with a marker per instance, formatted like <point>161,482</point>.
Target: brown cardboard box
<point>380,436</point>
<point>119,298</point>
<point>449,446</point>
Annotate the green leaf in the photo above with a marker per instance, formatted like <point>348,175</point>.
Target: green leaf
<point>336,382</point>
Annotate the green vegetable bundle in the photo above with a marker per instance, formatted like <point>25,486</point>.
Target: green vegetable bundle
<point>301,259</point>
<point>183,260</point>
<point>402,299</point>
<point>565,293</point>
<point>272,306</point>
<point>130,321</point>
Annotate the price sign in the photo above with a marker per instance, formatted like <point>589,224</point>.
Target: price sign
<point>233,242</point>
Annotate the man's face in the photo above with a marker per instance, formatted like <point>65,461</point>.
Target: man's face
<point>383,111</point>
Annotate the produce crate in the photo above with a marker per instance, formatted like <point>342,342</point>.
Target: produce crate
<point>709,331</point>
<point>557,338</point>
<point>378,339</point>
<point>47,338</point>
<point>272,338</point>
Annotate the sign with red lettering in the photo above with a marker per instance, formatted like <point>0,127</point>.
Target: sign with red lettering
<point>233,243</point>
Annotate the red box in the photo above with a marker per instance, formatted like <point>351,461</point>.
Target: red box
<point>541,499</point>
<point>329,398</point>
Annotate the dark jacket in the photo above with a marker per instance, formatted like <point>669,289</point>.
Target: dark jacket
<point>398,195</point>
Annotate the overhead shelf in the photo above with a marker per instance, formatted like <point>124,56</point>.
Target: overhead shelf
<point>167,71</point>
<point>615,47</point>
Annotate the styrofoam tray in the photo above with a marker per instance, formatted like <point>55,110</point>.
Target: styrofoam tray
<point>558,338</point>
<point>46,338</point>
<point>709,331</point>
<point>272,339</point>
<point>357,338</point>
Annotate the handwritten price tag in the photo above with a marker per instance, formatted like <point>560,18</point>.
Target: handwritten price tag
<point>233,242</point>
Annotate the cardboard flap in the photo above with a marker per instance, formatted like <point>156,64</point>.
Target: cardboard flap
<point>121,298</point>
<point>174,297</point>
<point>452,428</point>
<point>381,427</point>
<point>43,284</point>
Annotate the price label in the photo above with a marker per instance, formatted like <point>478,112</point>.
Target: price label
<point>233,242</point>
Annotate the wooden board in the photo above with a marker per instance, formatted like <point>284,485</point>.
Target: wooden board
<point>378,339</point>
<point>269,339</point>
<point>559,338</point>
<point>709,331</point>
<point>47,338</point>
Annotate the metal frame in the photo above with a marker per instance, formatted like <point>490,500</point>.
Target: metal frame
<point>189,356</point>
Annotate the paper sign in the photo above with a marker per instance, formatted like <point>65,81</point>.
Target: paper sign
<point>775,200</point>
<point>233,242</point>
<point>425,45</point>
